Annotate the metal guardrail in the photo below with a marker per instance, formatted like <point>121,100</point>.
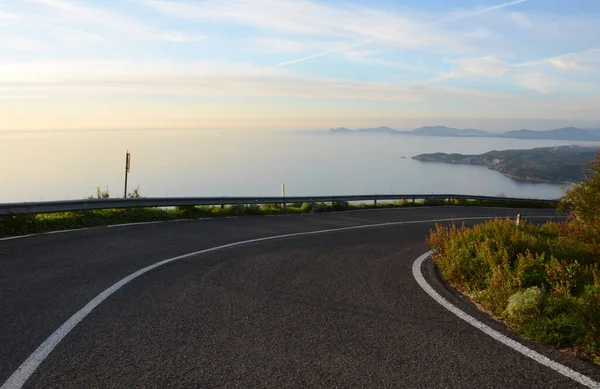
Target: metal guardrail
<point>93,204</point>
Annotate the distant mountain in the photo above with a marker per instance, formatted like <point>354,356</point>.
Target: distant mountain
<point>378,129</point>
<point>447,131</point>
<point>568,133</point>
<point>472,132</point>
<point>436,131</point>
<point>340,130</point>
<point>594,131</point>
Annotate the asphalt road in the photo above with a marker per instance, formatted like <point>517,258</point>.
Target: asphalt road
<point>339,309</point>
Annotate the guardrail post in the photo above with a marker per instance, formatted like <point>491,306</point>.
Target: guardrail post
<point>375,202</point>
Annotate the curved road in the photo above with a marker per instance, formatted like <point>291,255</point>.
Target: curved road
<point>334,309</point>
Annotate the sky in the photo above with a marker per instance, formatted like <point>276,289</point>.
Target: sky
<point>298,64</point>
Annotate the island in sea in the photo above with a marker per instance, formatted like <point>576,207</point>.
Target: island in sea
<point>563,164</point>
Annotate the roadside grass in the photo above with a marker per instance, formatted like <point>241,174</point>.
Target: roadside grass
<point>41,223</point>
<point>542,280</point>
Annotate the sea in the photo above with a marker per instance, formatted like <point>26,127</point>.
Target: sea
<point>60,165</point>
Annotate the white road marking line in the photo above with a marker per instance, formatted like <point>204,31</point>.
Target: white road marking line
<point>136,224</point>
<point>539,358</point>
<point>88,228</point>
<point>16,237</point>
<point>44,233</point>
<point>64,231</point>
<point>27,368</point>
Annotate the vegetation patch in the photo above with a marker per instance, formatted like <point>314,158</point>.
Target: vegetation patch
<point>40,223</point>
<point>542,280</point>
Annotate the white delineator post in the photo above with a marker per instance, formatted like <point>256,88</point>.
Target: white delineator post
<point>283,194</point>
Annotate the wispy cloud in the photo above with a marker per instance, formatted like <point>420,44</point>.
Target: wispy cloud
<point>470,14</point>
<point>324,53</point>
<point>452,18</point>
<point>105,21</point>
<point>522,72</point>
<point>181,37</point>
<point>536,81</point>
<point>85,79</point>
<point>353,23</point>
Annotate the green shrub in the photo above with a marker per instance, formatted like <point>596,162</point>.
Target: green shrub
<point>320,207</point>
<point>524,305</point>
<point>273,207</point>
<point>530,275</point>
<point>307,207</point>
<point>100,194</point>
<point>19,224</point>
<point>252,209</point>
<point>339,205</point>
<point>583,201</point>
<point>433,202</point>
<point>189,211</point>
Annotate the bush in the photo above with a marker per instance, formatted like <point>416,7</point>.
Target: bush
<point>524,304</point>
<point>583,202</point>
<point>339,205</point>
<point>100,194</point>
<point>320,207</point>
<point>189,211</point>
<point>307,207</point>
<point>252,209</point>
<point>135,194</point>
<point>433,202</point>
<point>19,224</point>
<point>539,278</point>
<point>273,207</point>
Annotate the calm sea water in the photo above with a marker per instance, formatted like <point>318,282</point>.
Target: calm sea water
<point>69,165</point>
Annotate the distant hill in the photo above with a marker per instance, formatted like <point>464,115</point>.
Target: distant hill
<point>568,133</point>
<point>436,131</point>
<point>340,130</point>
<point>562,164</point>
<point>378,129</point>
<point>447,131</point>
<point>472,132</point>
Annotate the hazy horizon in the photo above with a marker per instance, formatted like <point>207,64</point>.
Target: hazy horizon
<point>491,125</point>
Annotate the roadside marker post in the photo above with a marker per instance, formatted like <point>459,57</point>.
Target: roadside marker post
<point>283,194</point>
<point>127,169</point>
